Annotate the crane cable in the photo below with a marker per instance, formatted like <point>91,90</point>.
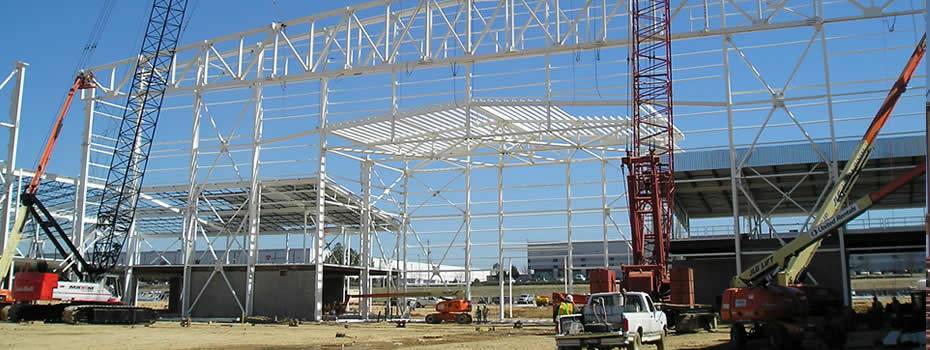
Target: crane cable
<point>87,52</point>
<point>96,33</point>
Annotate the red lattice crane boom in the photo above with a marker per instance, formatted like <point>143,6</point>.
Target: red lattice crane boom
<point>651,158</point>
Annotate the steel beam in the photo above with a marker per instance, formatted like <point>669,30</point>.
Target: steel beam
<point>80,203</point>
<point>16,109</point>
<point>569,247</point>
<point>189,234</point>
<point>500,230</point>
<point>319,240</point>
<point>255,197</point>
<point>365,238</point>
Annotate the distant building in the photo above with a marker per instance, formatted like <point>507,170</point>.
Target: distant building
<point>897,263</point>
<point>420,274</point>
<point>547,260</point>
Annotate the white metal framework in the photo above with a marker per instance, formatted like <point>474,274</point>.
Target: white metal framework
<point>12,83</point>
<point>482,125</point>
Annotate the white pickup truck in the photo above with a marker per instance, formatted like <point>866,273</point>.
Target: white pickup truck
<point>620,319</point>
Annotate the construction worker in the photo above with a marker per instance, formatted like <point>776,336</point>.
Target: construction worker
<point>567,307</point>
<point>875,313</point>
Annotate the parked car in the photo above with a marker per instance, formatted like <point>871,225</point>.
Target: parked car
<point>543,300</point>
<point>526,299</point>
<point>426,301</point>
<point>497,300</point>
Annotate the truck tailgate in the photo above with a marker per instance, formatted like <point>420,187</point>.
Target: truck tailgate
<point>607,338</point>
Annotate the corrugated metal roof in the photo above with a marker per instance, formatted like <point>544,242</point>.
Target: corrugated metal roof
<point>434,130</point>
<point>892,147</point>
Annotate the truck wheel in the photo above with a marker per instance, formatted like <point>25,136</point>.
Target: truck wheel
<point>737,337</point>
<point>463,319</point>
<point>637,342</point>
<point>778,336</point>
<point>710,324</point>
<point>660,345</point>
<point>431,319</point>
<point>5,313</point>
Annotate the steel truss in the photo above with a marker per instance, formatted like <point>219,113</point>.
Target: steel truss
<point>445,106</point>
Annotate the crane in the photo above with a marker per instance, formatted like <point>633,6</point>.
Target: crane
<point>651,157</point>
<point>92,301</point>
<point>81,82</point>
<point>796,255</point>
<point>767,295</point>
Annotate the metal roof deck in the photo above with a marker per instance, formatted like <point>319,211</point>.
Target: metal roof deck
<point>440,131</point>
<point>703,189</point>
<point>223,206</point>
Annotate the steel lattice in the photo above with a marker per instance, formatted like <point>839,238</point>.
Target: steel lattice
<point>137,128</point>
<point>650,162</point>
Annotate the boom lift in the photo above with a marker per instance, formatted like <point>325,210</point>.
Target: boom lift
<point>39,295</point>
<point>452,308</point>
<point>767,296</point>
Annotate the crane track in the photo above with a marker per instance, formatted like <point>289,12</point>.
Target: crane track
<point>108,314</point>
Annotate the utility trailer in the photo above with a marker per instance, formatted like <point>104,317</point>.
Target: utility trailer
<point>684,318</point>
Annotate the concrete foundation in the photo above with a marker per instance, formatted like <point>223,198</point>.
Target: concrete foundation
<point>281,291</point>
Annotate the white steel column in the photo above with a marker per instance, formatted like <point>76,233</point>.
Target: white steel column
<point>569,260</point>
<point>468,148</point>
<point>500,229</point>
<point>509,287</point>
<point>319,240</point>
<point>470,4</point>
<point>834,161</point>
<point>346,256</point>
<point>468,225</point>
<point>605,215</point>
<point>405,222</point>
<point>16,109</point>
<point>255,197</point>
<point>304,257</point>
<point>734,178</point>
<point>80,205</point>
<point>132,258</point>
<point>365,237</point>
<point>189,235</point>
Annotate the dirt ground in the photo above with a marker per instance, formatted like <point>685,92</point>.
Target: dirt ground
<point>169,335</point>
<point>328,336</point>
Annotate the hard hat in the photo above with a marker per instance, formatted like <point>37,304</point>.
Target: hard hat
<point>569,298</point>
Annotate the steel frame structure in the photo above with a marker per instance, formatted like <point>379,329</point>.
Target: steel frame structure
<point>448,107</point>
<point>17,77</point>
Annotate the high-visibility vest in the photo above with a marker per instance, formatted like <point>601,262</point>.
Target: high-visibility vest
<point>566,308</point>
